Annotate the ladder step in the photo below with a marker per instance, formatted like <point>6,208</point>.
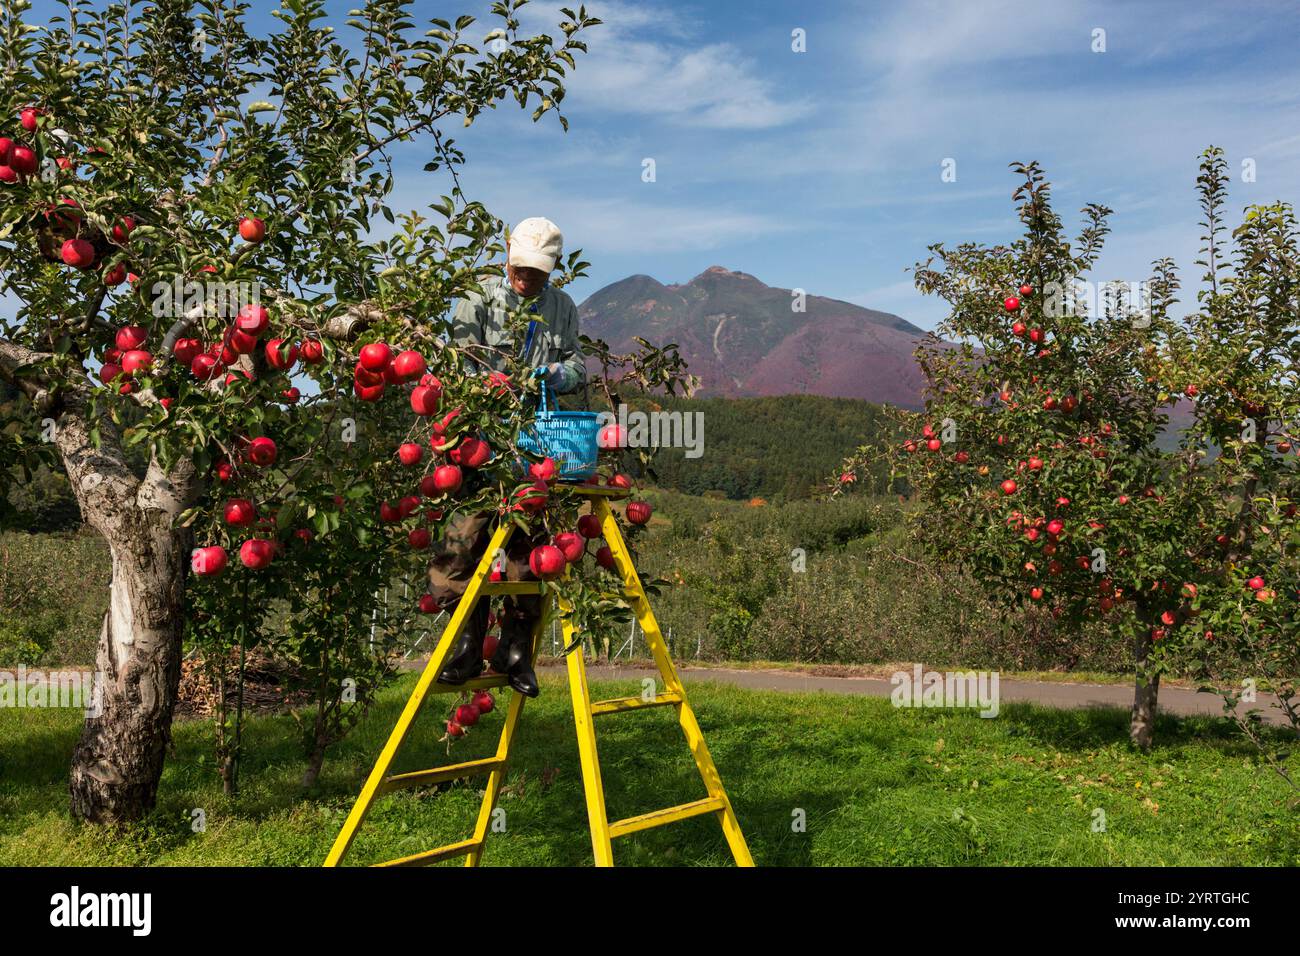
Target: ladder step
<point>620,704</point>
<point>499,588</point>
<point>433,856</point>
<point>657,818</point>
<point>493,680</point>
<point>420,778</point>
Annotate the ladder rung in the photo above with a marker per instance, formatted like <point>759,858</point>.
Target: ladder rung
<point>657,818</point>
<point>433,856</point>
<point>498,588</point>
<point>620,704</point>
<point>419,778</point>
<point>495,680</point>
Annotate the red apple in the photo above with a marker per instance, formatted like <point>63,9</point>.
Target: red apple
<point>109,371</point>
<point>252,230</point>
<point>313,353</point>
<point>424,400</point>
<point>253,319</point>
<point>471,452</point>
<point>1055,527</point>
<point>531,499</point>
<point>1009,487</point>
<point>419,538</point>
<point>8,174</point>
<point>278,356</point>
<point>408,365</point>
<point>1255,583</point>
<point>447,478</point>
<point>208,561</point>
<point>547,562</point>
<point>122,231</point>
<point>375,357</point>
<point>239,342</point>
<point>1036,593</point>
<point>605,557</point>
<point>240,512</point>
<point>408,505</point>
<point>78,253</point>
<point>6,150</point>
<point>571,545</point>
<point>619,481</point>
<point>291,395</point>
<point>205,367</point>
<point>466,715</point>
<point>454,729</point>
<point>262,452</point>
<point>543,470</point>
<point>1011,303</point>
<point>638,512</point>
<point>115,276</point>
<point>612,436</point>
<point>23,161</point>
<point>1026,290</point>
<point>28,118</point>
<point>256,553</point>
<point>136,360</point>
<point>492,640</point>
<point>483,700</point>
<point>589,526</point>
<point>368,393</point>
<point>429,604</point>
<point>409,454</point>
<point>389,513</point>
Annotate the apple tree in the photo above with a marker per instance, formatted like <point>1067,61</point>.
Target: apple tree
<point>183,205</point>
<point>1236,357</point>
<point>1035,462</point>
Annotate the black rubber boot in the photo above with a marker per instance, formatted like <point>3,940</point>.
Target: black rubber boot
<point>466,661</point>
<point>513,658</point>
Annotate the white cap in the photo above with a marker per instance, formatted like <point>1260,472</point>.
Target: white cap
<point>536,243</point>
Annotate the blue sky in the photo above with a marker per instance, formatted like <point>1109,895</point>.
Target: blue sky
<point>821,170</point>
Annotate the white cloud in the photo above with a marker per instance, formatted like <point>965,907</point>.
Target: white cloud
<point>644,60</point>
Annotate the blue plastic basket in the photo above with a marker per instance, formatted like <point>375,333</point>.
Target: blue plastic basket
<point>568,437</point>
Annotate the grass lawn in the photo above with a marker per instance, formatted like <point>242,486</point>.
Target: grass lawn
<point>876,786</point>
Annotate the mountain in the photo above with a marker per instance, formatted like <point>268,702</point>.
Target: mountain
<point>742,338</point>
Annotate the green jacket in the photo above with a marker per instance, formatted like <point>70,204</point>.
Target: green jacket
<point>480,320</point>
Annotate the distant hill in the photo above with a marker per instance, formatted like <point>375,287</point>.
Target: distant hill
<point>773,448</point>
<point>744,339</point>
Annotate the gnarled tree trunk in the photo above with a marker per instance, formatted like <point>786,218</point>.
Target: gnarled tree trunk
<point>1146,689</point>
<point>119,758</point>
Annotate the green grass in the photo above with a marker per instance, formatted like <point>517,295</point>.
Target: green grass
<point>876,785</point>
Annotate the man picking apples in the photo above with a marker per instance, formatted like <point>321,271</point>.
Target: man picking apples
<point>551,346</point>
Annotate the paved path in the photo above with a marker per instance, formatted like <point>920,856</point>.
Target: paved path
<point>1177,700</point>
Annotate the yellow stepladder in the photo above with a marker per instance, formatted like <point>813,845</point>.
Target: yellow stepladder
<point>584,713</point>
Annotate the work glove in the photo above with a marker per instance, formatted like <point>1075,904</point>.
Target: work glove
<point>552,374</point>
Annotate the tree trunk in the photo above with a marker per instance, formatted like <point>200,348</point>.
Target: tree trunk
<point>1145,691</point>
<point>118,760</point>
<point>315,762</point>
